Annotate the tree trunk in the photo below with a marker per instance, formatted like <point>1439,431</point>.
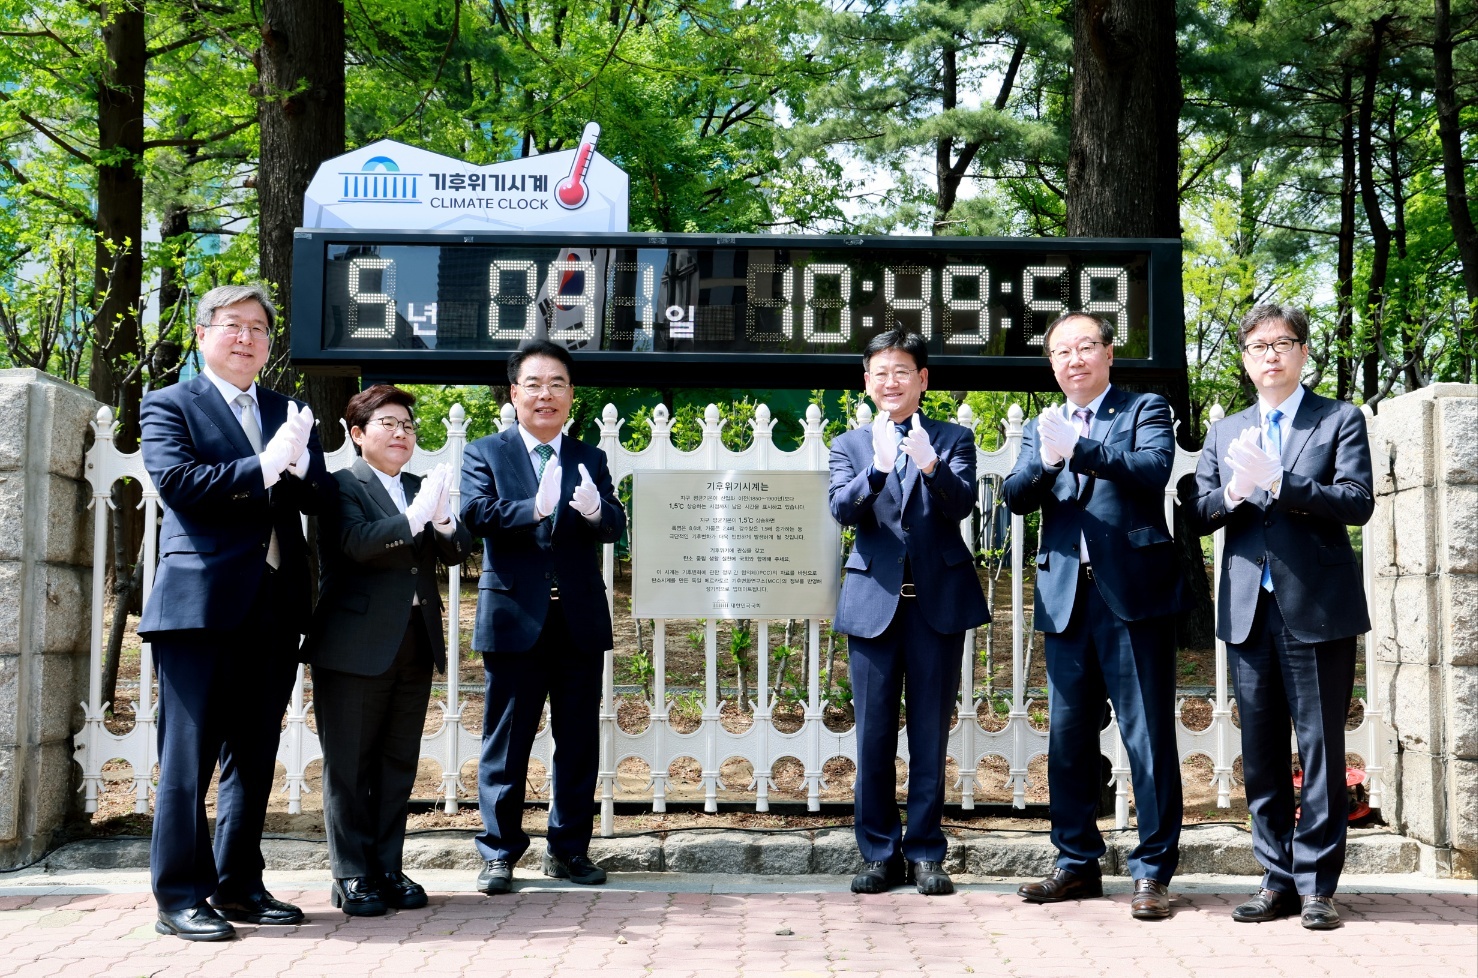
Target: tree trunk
<point>300,68</point>
<point>1450,135</point>
<point>1344,284</point>
<point>118,279</point>
<point>1380,231</point>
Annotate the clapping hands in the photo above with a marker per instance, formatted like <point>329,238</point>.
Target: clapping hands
<point>884,443</point>
<point>586,499</point>
<point>424,508</point>
<point>289,442</point>
<point>1252,465</point>
<point>917,447</point>
<point>1057,438</point>
<point>548,495</point>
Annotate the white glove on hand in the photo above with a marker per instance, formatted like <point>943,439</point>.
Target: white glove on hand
<point>1058,438</point>
<point>884,444</point>
<point>916,446</point>
<point>586,499</point>
<point>548,495</point>
<point>299,465</point>
<point>418,511</point>
<point>1263,467</point>
<point>287,444</point>
<point>1237,458</point>
<point>442,513</point>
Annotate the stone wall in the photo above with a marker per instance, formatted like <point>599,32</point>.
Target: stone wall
<point>45,600</point>
<point>1422,547</point>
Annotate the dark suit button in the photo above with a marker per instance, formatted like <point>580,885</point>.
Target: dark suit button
<point>1267,522</point>
<point>905,529</point>
<point>1260,561</point>
<point>415,570</point>
<point>900,560</point>
<point>547,575</point>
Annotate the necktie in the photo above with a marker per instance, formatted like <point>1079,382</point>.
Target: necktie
<point>902,459</point>
<point>545,453</point>
<point>254,435</point>
<point>1275,445</point>
<point>1085,422</point>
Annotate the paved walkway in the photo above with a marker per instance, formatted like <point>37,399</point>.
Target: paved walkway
<point>79,924</point>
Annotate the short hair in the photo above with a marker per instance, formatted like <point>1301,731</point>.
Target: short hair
<point>897,339</point>
<point>1271,312</point>
<point>229,295</point>
<point>362,406</point>
<point>1105,328</point>
<point>539,348</point>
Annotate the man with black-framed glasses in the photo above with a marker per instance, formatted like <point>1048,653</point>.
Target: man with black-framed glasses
<point>1286,478</point>
<point>543,503</point>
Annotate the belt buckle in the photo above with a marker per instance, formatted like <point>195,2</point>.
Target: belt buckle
<point>554,594</point>
<point>907,591</point>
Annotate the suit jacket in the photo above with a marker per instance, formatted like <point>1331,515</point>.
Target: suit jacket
<point>525,556</point>
<point>1125,463</point>
<point>1327,486</point>
<point>371,567</point>
<point>220,515</point>
<point>915,518</point>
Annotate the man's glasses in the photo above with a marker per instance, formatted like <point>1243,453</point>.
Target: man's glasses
<point>1280,346</point>
<point>392,425</point>
<point>900,376</point>
<point>254,333</point>
<point>1083,351</point>
<point>556,389</point>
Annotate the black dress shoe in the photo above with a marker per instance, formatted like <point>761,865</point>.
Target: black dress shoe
<point>880,876</point>
<point>1265,905</point>
<point>402,892</point>
<point>1151,900</point>
<point>931,879</point>
<point>1061,885</point>
<point>576,869</point>
<point>1319,914</point>
<point>496,877</point>
<point>357,896</point>
<point>257,908</point>
<point>197,923</point>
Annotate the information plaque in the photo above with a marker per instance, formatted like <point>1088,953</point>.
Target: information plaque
<point>733,545</point>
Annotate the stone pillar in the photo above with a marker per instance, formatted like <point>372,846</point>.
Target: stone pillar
<point>1422,548</point>
<point>45,595</point>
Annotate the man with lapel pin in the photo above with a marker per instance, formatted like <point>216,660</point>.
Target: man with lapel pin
<point>1285,478</point>
<point>1107,587</point>
<point>543,504</point>
<point>909,596</point>
<point>236,466</point>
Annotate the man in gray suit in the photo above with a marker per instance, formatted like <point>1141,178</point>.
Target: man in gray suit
<point>1285,478</point>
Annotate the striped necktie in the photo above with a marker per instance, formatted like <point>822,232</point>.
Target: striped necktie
<point>254,435</point>
<point>1275,444</point>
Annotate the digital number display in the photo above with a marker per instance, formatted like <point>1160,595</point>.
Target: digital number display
<point>681,310</point>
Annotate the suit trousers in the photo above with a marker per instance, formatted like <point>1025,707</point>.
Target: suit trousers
<point>370,728</point>
<point>1280,683</point>
<point>912,661</point>
<point>517,686</point>
<point>222,697</point>
<point>1133,663</point>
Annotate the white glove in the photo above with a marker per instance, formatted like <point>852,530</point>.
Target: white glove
<point>299,465</point>
<point>884,444</point>
<point>442,514</point>
<point>548,495</point>
<point>586,499</point>
<point>418,512</point>
<point>288,443</point>
<point>916,446</point>
<point>1262,467</point>
<point>1057,437</point>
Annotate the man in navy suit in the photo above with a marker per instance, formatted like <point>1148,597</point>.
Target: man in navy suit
<point>1285,478</point>
<point>236,465</point>
<point>1107,585</point>
<point>543,504</point>
<point>909,595</point>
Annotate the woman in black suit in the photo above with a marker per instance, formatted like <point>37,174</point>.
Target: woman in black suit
<point>376,634</point>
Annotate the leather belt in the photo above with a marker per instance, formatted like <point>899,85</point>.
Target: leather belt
<point>1086,570</point>
<point>554,594</point>
<point>907,591</point>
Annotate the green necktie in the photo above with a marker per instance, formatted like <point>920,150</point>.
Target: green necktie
<point>545,453</point>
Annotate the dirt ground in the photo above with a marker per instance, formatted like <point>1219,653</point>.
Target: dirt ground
<point>685,670</point>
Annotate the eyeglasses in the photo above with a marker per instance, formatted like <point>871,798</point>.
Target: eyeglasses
<point>900,376</point>
<point>1280,346</point>
<point>392,425</point>
<point>253,333</point>
<point>1085,350</point>
<point>556,389</point>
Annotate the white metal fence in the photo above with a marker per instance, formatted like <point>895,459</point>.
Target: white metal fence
<point>658,745</point>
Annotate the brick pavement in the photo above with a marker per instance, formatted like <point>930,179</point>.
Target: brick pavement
<point>675,926</point>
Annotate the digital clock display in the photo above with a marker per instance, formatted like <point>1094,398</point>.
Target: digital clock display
<point>688,307</point>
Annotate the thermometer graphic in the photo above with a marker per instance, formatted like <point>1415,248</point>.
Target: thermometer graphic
<point>571,192</point>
